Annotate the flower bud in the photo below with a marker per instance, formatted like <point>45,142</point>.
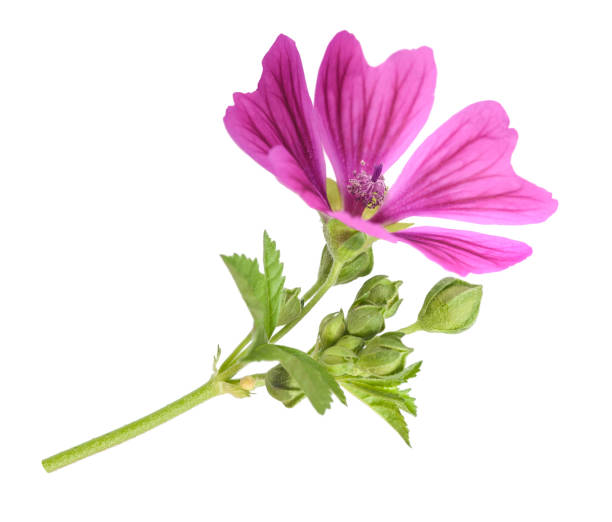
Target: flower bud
<point>382,292</point>
<point>340,357</point>
<point>358,267</point>
<point>332,327</point>
<point>364,320</point>
<point>291,306</point>
<point>282,386</point>
<point>451,306</point>
<point>382,355</point>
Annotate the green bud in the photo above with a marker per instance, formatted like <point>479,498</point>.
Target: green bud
<point>382,355</point>
<point>332,327</point>
<point>451,306</point>
<point>291,306</point>
<point>340,357</point>
<point>358,267</point>
<point>283,387</point>
<point>364,320</point>
<point>382,292</point>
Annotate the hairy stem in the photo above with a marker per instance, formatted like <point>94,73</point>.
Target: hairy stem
<point>329,282</point>
<point>410,329</point>
<point>236,353</point>
<point>211,389</point>
<point>215,386</point>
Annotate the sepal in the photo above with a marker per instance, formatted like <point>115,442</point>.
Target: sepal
<point>291,306</point>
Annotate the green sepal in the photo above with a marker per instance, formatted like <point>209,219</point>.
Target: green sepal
<point>360,266</point>
<point>386,407</point>
<point>396,227</point>
<point>333,195</point>
<point>312,377</point>
<point>344,242</point>
<point>291,306</point>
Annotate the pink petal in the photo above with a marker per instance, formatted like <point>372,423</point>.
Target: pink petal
<point>465,252</point>
<point>279,115</point>
<point>371,114</point>
<point>463,171</point>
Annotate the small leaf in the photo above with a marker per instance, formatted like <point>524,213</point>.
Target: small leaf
<point>388,410</point>
<point>216,360</point>
<point>252,285</point>
<point>399,398</point>
<point>312,377</point>
<point>389,380</point>
<point>273,271</point>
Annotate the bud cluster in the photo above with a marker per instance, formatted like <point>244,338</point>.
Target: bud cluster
<point>352,346</point>
<point>356,345</point>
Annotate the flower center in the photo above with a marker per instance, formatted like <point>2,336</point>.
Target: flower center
<point>368,189</point>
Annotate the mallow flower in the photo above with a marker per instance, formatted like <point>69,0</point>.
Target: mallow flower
<point>365,118</point>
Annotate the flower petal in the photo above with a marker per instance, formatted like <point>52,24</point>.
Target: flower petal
<point>371,114</point>
<point>463,171</point>
<point>280,115</point>
<point>465,252</point>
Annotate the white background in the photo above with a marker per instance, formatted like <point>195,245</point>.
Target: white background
<point>119,188</point>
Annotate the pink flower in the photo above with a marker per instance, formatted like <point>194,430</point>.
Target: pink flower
<point>366,117</point>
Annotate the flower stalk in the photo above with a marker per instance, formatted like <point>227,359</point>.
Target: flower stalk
<point>217,385</point>
<point>207,391</point>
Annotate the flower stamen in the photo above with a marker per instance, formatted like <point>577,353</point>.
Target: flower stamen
<point>368,189</point>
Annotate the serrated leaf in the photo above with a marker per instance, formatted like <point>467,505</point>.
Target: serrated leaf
<point>273,271</point>
<point>252,285</point>
<point>312,377</point>
<point>392,394</point>
<point>389,380</point>
<point>388,410</point>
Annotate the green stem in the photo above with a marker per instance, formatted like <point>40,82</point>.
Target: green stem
<point>312,290</point>
<point>211,389</point>
<point>410,329</point>
<point>329,282</point>
<point>236,353</point>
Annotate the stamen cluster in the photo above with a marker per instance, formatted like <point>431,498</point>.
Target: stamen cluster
<point>368,189</point>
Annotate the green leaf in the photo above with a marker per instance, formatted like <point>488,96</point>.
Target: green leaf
<point>312,377</point>
<point>391,394</point>
<point>252,285</point>
<point>273,271</point>
<point>389,380</point>
<point>387,409</point>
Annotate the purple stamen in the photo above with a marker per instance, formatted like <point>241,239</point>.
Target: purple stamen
<point>377,172</point>
<point>368,189</point>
